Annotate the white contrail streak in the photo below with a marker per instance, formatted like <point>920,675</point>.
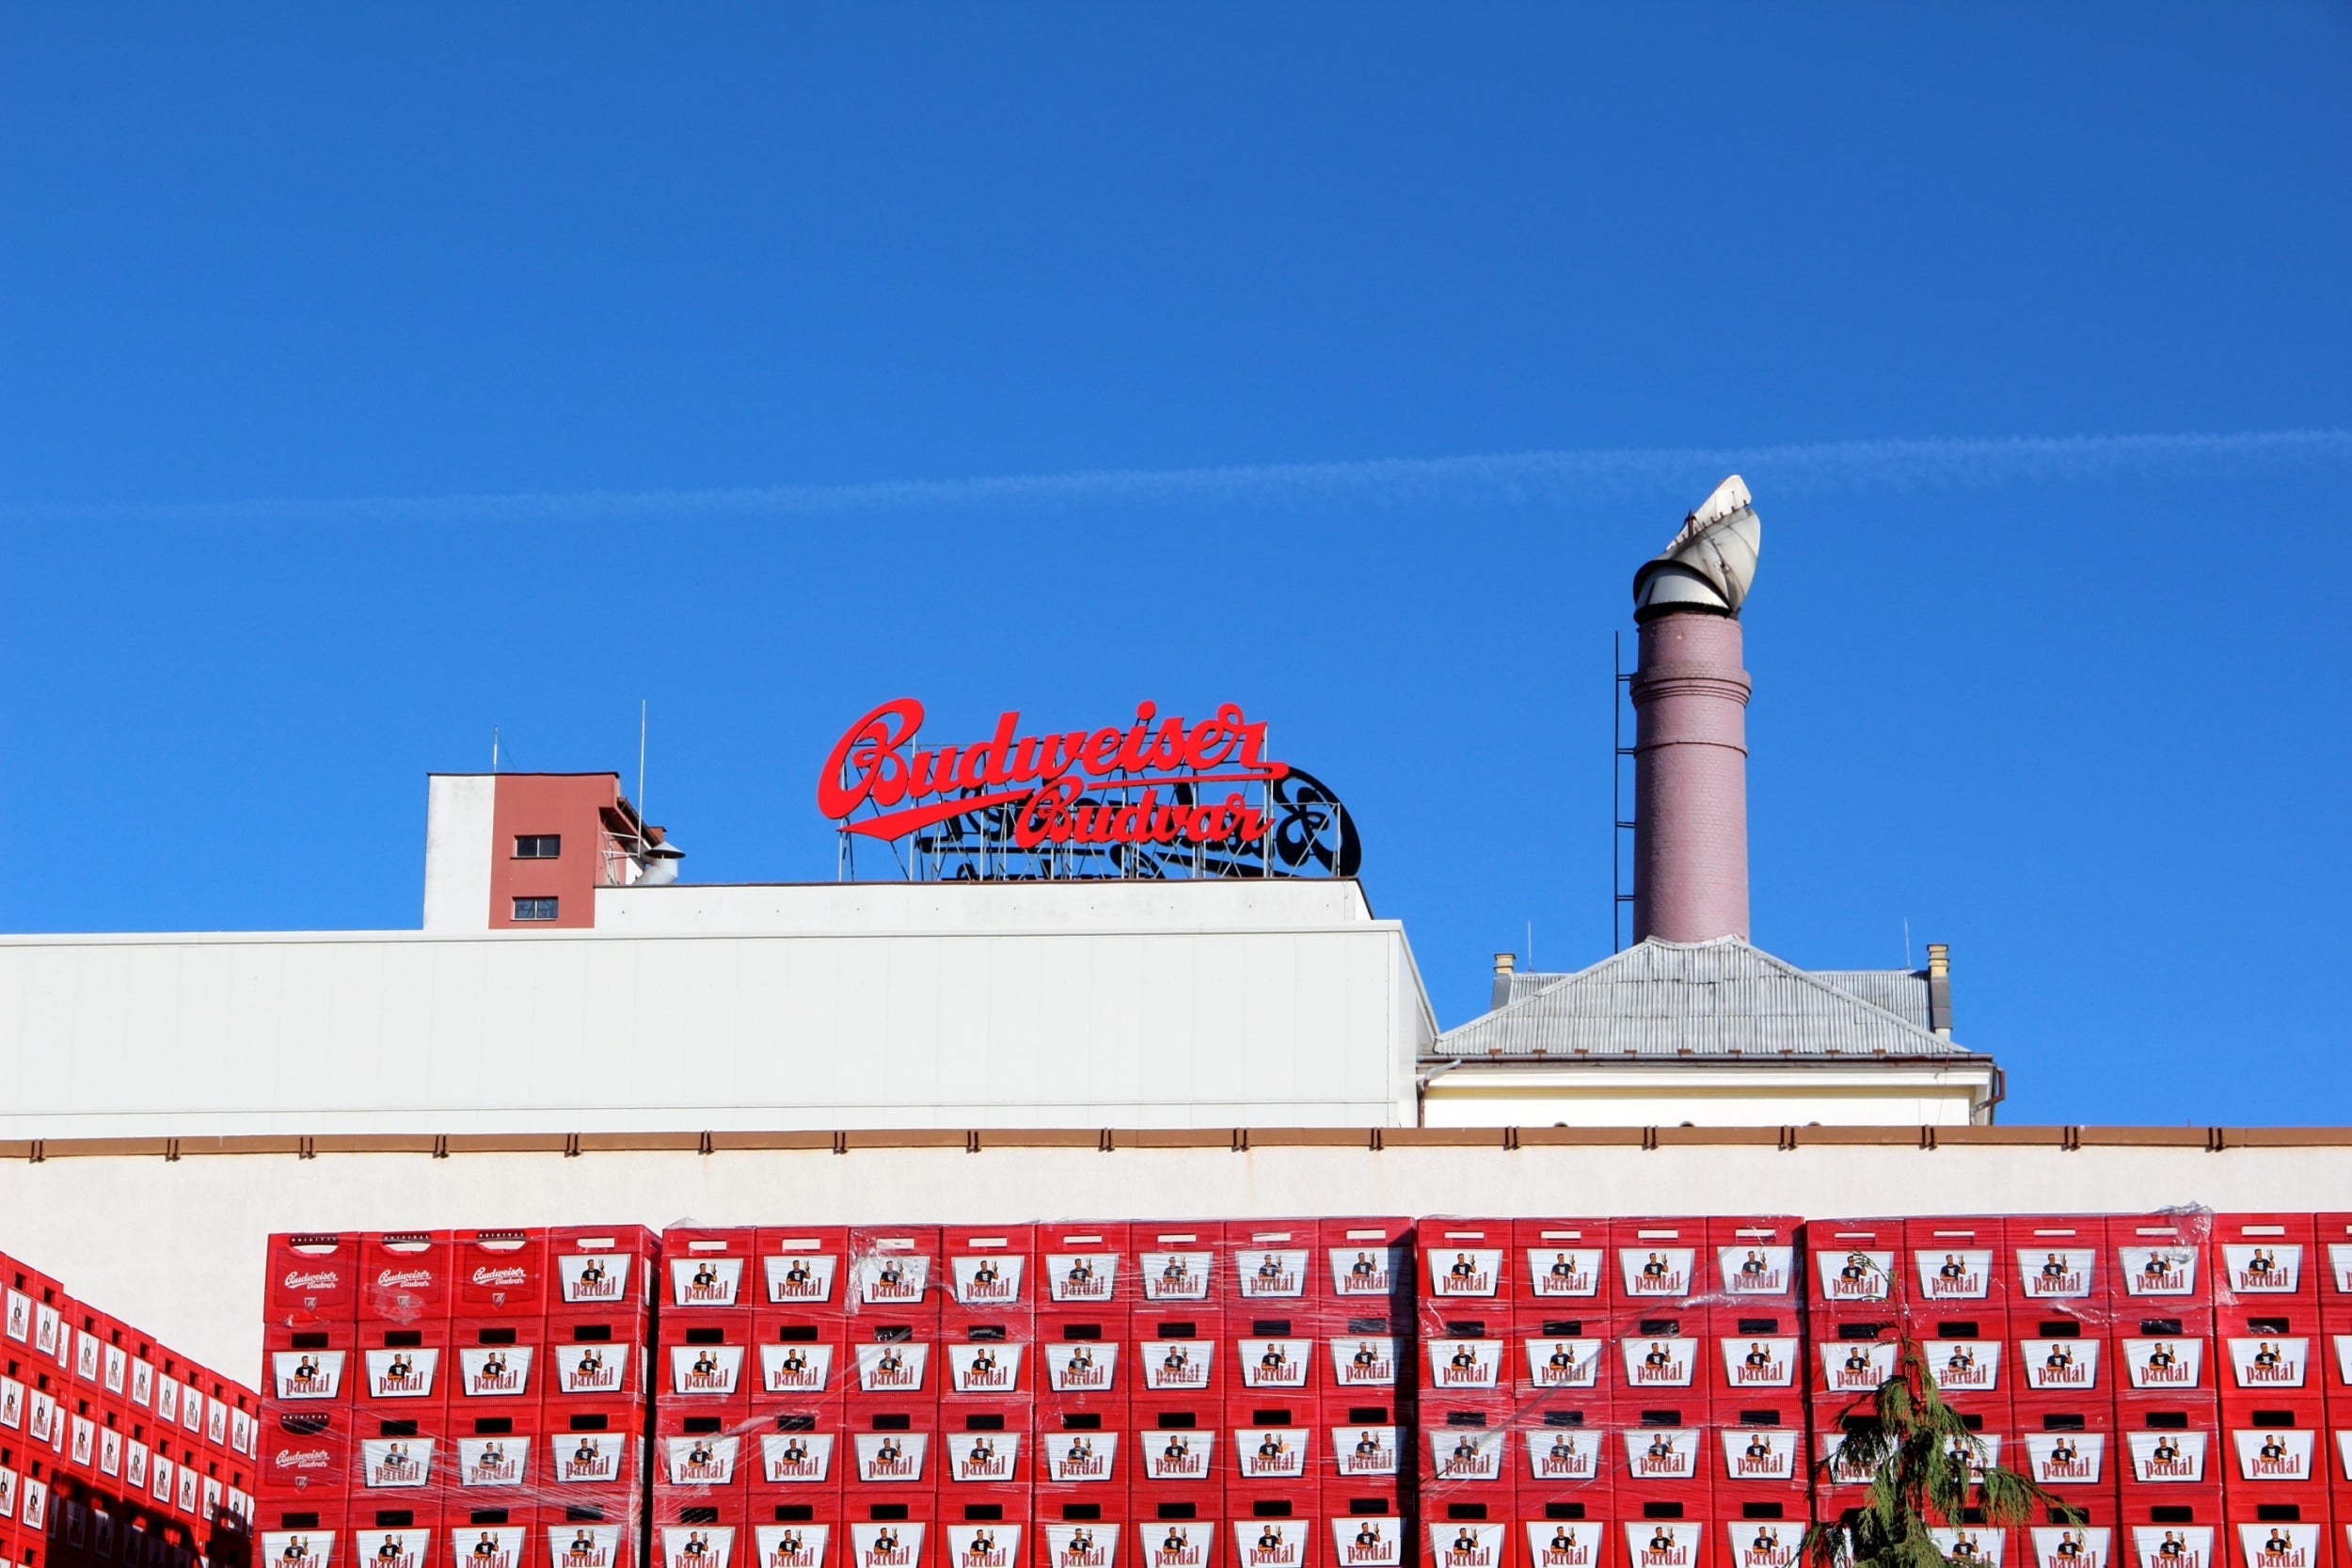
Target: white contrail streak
<point>1544,477</point>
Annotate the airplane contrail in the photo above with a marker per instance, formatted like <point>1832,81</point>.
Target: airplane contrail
<point>1555,478</point>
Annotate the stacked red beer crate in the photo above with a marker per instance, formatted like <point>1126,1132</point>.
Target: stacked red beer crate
<point>2328,1266</point>
<point>113,1446</point>
<point>1613,1391</point>
<point>439,1398</point>
<point>1316,1324</point>
<point>2269,1339</point>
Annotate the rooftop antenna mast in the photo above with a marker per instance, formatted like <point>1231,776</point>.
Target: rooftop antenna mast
<point>494,748</point>
<point>640,784</point>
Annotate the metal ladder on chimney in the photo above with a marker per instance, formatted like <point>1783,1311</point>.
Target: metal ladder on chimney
<point>1621,862</point>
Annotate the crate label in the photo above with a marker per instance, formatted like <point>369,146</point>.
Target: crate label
<point>1176,1276</point>
<point>791,1545</point>
<point>1468,1272</point>
<point>1855,1276</point>
<point>1083,1365</point>
<point>786,1457</point>
<point>711,1370</point>
<point>986,1279</point>
<point>700,1460</point>
<point>989,1457</point>
<point>891,1456</point>
<point>795,1369</point>
<point>493,1461</point>
<point>1970,1364</point>
<point>1272,1274</point>
<point>704,1281</point>
<point>799,1279</point>
<point>991,1546</point>
<point>986,1366</point>
<point>1082,1276</point>
<point>590,1277</point>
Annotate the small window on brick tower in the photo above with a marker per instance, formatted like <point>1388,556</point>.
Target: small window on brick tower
<point>538,847</point>
<point>534,908</point>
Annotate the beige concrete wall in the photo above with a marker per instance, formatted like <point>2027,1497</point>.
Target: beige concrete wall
<point>177,1247</point>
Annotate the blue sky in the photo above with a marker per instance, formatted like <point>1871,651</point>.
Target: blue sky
<point>369,377</point>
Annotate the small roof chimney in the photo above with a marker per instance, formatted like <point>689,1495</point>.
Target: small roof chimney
<point>1504,964</point>
<point>1940,990</point>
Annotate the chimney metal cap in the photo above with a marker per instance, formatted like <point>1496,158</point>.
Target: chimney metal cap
<point>1710,563</point>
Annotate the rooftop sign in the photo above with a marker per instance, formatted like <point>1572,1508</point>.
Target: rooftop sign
<point>1160,797</point>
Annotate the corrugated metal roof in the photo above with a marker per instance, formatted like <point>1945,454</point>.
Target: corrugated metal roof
<point>1901,991</point>
<point>1717,999</point>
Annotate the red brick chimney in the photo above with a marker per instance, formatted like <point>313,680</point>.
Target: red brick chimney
<point>1690,701</point>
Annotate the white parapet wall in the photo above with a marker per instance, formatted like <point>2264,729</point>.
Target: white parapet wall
<point>697,1008</point>
<point>178,1244</point>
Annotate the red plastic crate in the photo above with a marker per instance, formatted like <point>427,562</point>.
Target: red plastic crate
<point>697,1460</point>
<point>1662,1264</point>
<point>895,1273</point>
<point>991,1277</point>
<point>494,1458</point>
<point>2284,1449</point>
<point>2060,1268</point>
<point>602,1270</point>
<point>1466,1264</point>
<point>1079,1358</point>
<point>798,1358</point>
<point>1272,1270</point>
<point>1959,1271</point>
<point>1561,1269</point>
<point>312,1279</point>
<point>986,1448</point>
<point>594,1358</point>
<point>592,1449</point>
<point>702,1358</point>
<point>495,1360</point>
<point>707,1269</point>
<point>398,1462</point>
<point>2160,1263</point>
<point>2304,1543</point>
<point>1471,1527</point>
<point>802,1454</point>
<point>1856,1268</point>
<point>892,1450</point>
<point>802,1268</point>
<point>1085,1270</point>
<point>1367,1258</point>
<point>1080,1457</point>
<point>404,1277</point>
<point>2258,1260</point>
<point>399,1364</point>
<point>501,1274</point>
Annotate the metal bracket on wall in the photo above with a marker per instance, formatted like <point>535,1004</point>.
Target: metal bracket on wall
<point>440,1146</point>
<point>1241,1140</point>
<point>841,1143</point>
<point>1649,1137</point>
<point>1107,1142</point>
<point>306,1149</point>
<point>2069,1137</point>
<point>39,1150</point>
<point>571,1145</point>
<point>1926,1136</point>
<point>2215,1140</point>
<point>972,1141</point>
<point>172,1151</point>
<point>703,1145</point>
